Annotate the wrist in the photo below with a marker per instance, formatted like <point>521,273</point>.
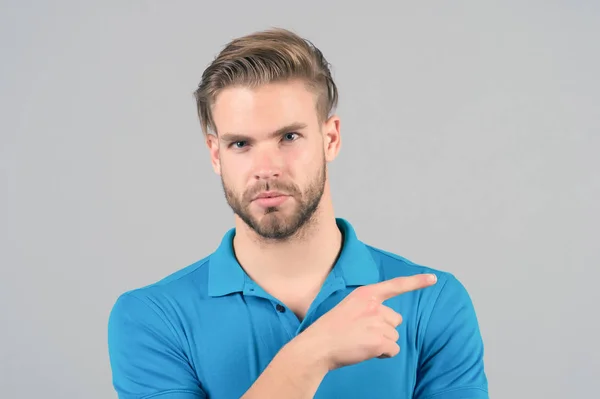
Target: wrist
<point>311,352</point>
<point>295,372</point>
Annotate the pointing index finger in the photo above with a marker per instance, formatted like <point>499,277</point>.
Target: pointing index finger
<point>400,285</point>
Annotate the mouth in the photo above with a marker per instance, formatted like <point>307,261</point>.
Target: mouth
<point>270,199</point>
<point>269,194</point>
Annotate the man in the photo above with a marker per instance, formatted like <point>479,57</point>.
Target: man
<point>291,304</point>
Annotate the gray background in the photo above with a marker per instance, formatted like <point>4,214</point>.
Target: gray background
<point>470,144</point>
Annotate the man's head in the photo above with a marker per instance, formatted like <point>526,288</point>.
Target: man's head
<point>265,106</point>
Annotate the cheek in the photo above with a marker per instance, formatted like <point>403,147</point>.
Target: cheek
<point>313,156</point>
<point>297,160</point>
<point>235,170</point>
<point>303,162</point>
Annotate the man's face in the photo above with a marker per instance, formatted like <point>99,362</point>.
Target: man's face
<point>271,156</point>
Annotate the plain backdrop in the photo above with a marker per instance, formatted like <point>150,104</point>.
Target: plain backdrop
<point>471,144</point>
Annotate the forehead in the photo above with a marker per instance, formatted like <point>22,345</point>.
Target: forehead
<point>264,108</point>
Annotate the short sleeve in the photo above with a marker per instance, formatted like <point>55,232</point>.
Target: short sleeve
<point>145,357</point>
<point>451,355</point>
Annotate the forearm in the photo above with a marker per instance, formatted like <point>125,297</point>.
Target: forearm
<point>294,373</point>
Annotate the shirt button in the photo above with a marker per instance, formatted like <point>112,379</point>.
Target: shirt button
<point>280,308</point>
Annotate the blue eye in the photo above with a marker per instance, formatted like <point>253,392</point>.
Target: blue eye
<point>239,144</point>
<point>290,136</point>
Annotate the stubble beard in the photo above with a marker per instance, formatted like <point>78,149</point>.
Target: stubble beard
<point>275,223</point>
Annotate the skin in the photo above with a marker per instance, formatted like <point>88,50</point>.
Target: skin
<point>270,138</point>
<point>299,240</point>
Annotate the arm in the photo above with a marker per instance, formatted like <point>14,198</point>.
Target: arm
<point>451,349</point>
<point>359,328</point>
<point>294,373</point>
<point>146,358</point>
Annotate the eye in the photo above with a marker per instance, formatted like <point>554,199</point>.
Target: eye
<point>290,136</point>
<point>239,144</point>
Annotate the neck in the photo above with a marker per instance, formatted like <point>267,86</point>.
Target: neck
<point>307,256</point>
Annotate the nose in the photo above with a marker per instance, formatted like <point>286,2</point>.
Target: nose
<point>268,164</point>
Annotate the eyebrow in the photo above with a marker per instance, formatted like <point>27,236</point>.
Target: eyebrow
<point>231,137</point>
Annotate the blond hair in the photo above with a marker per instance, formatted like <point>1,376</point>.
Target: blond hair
<point>267,56</point>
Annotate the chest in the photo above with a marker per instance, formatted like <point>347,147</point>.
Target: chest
<point>232,347</point>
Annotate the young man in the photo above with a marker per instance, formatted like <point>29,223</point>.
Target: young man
<point>291,304</point>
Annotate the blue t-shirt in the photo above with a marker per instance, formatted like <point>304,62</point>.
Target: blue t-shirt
<point>208,331</point>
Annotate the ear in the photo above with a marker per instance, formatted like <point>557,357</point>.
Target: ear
<point>332,139</point>
<point>212,142</point>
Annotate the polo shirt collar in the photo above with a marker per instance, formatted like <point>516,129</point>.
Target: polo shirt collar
<point>355,265</point>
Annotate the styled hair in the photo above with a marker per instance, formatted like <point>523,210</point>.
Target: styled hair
<point>268,56</point>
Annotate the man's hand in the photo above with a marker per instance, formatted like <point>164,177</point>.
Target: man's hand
<point>360,327</point>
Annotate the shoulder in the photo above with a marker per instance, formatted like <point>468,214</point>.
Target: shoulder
<point>148,344</point>
<point>448,295</point>
<point>158,302</point>
<point>443,313</point>
<point>393,265</point>
<point>194,275</point>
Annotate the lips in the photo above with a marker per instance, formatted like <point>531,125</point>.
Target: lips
<point>270,199</point>
<point>270,194</point>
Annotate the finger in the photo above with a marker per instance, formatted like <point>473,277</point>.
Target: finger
<point>390,333</point>
<point>401,285</point>
<point>390,316</point>
<point>389,349</point>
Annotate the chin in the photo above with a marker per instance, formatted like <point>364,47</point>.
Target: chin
<point>270,214</point>
<point>275,216</point>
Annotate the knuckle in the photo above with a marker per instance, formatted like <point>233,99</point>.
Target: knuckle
<point>399,319</point>
<point>372,307</point>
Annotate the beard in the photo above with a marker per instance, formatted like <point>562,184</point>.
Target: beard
<point>273,223</point>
